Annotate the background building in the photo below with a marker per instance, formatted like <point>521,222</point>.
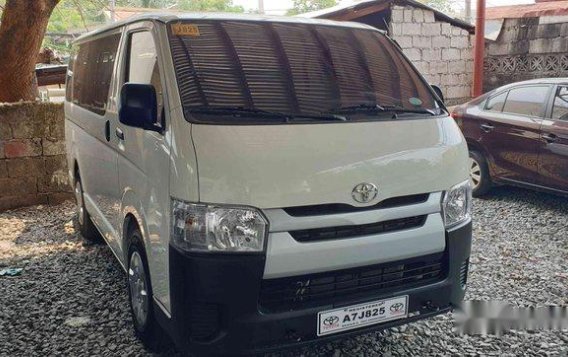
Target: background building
<point>526,42</point>
<point>440,46</point>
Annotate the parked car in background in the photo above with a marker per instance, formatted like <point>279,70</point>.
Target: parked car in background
<point>518,135</point>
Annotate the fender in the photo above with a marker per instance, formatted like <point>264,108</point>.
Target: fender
<point>131,206</point>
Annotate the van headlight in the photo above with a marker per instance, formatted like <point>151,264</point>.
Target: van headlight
<point>217,228</point>
<point>456,205</point>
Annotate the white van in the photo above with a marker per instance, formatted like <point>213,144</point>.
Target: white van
<point>267,182</point>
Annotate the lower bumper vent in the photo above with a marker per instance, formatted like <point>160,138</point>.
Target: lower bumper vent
<point>337,286</point>
<point>463,273</point>
<point>204,321</point>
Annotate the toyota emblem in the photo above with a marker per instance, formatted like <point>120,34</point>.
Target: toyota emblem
<point>364,192</point>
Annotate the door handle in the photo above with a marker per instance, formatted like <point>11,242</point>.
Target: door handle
<point>549,138</point>
<point>119,133</point>
<point>486,127</point>
<point>107,130</point>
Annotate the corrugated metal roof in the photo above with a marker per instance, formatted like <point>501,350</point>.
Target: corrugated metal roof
<point>335,11</point>
<point>549,8</point>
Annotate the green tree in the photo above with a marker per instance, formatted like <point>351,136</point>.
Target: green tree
<point>88,14</point>
<point>209,5</point>
<point>72,14</point>
<point>303,6</point>
<point>156,4</point>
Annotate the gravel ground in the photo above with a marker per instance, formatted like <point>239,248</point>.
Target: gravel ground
<point>71,299</point>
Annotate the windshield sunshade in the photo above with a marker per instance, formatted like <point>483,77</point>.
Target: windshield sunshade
<point>297,69</point>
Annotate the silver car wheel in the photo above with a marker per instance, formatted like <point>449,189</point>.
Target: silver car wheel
<point>138,289</point>
<point>474,173</point>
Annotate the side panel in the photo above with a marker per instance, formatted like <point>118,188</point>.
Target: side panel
<point>553,155</point>
<point>90,116</point>
<point>144,166</point>
<point>511,141</point>
<point>97,159</point>
<point>553,158</point>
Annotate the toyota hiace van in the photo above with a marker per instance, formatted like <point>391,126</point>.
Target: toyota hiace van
<point>266,182</point>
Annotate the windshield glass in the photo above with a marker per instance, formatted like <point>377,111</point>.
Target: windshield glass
<point>291,68</point>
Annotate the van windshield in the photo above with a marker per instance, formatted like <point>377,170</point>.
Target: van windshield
<point>241,71</point>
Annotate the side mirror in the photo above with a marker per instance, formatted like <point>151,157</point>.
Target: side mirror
<point>438,92</point>
<point>138,106</point>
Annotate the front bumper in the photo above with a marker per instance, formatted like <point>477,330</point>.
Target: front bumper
<point>215,309</point>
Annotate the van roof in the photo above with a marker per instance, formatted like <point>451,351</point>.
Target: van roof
<point>167,17</point>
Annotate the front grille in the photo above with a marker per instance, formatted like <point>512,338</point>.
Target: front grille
<point>338,208</point>
<point>338,286</point>
<point>318,234</point>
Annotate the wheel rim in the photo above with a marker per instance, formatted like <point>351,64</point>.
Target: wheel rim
<point>138,289</point>
<point>80,206</point>
<point>474,173</point>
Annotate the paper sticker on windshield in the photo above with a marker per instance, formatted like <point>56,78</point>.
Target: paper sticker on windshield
<point>185,30</point>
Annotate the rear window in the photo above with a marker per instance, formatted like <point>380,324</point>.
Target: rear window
<point>291,68</point>
<point>496,103</point>
<point>90,73</point>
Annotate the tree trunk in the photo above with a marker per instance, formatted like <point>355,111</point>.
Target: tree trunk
<point>22,29</point>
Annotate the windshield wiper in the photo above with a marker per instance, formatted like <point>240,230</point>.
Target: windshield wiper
<point>236,111</point>
<point>405,110</point>
<point>242,111</point>
<point>361,108</point>
<point>376,108</point>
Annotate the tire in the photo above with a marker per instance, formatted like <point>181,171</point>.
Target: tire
<point>86,226</point>
<point>140,295</point>
<point>479,174</point>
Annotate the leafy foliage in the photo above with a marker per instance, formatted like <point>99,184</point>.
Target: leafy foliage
<point>209,5</point>
<point>74,16</point>
<point>303,6</point>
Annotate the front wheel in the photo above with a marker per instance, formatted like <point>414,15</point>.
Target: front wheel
<point>479,174</point>
<point>86,226</point>
<point>140,295</point>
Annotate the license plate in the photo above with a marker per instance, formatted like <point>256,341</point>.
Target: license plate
<point>352,317</point>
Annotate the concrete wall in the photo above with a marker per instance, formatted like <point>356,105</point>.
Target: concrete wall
<point>443,53</point>
<point>33,168</point>
<point>526,48</point>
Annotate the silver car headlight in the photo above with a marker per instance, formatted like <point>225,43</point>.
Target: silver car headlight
<point>456,205</point>
<point>217,228</point>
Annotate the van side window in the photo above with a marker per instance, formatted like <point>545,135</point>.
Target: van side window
<point>496,103</point>
<point>92,73</point>
<point>526,100</point>
<point>143,65</point>
<point>560,110</point>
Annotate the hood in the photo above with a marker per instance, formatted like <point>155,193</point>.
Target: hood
<point>277,166</point>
